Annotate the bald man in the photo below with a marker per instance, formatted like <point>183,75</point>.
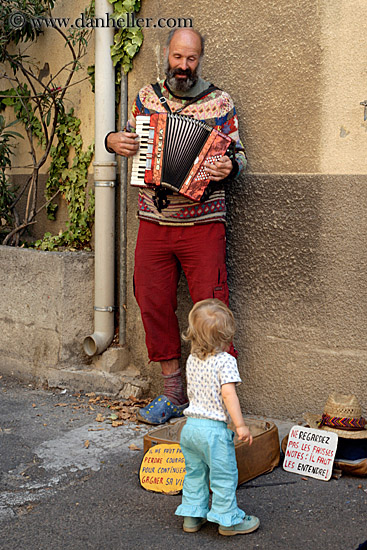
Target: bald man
<point>176,233</point>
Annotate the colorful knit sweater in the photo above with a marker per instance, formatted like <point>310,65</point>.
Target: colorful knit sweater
<point>217,110</point>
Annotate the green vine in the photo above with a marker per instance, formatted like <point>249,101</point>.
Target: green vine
<point>38,102</point>
<point>128,40</point>
<point>7,194</point>
<point>19,99</point>
<point>71,181</point>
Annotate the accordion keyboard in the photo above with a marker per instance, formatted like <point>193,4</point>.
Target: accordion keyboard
<point>143,158</point>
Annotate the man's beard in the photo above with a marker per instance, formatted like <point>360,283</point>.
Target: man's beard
<point>178,84</point>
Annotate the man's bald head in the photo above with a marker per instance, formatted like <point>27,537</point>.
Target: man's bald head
<point>185,31</point>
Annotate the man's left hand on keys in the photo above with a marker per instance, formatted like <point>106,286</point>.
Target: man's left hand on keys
<point>220,169</point>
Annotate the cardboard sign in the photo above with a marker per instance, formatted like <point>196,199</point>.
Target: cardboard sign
<point>163,469</point>
<point>310,452</point>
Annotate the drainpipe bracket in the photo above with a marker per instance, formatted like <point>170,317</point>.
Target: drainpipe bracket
<point>104,184</point>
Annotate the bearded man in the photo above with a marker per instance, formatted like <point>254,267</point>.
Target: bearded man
<point>178,233</point>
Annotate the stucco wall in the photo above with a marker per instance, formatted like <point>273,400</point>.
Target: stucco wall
<point>296,221</point>
<point>45,312</point>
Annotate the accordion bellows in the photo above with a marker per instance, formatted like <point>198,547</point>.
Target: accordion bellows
<point>172,152</point>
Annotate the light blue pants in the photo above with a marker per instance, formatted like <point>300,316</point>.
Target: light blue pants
<point>208,448</point>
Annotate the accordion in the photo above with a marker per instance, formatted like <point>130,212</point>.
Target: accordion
<point>172,152</point>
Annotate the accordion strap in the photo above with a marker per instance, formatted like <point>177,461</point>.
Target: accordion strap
<point>156,87</point>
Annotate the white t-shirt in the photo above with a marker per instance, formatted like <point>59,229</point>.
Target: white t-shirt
<point>204,381</point>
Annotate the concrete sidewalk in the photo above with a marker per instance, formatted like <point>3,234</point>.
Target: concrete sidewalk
<point>69,481</point>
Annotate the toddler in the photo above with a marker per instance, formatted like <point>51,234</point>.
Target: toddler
<point>206,441</point>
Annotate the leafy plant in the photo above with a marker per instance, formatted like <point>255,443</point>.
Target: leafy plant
<point>38,100</point>
<point>128,40</point>
<point>71,181</point>
<point>7,194</point>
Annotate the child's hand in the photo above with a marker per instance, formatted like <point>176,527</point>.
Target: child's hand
<point>243,433</point>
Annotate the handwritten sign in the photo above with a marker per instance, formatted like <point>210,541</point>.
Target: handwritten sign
<point>310,452</point>
<point>163,469</point>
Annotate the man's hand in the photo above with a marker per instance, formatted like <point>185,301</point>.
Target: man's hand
<point>220,169</point>
<point>123,143</point>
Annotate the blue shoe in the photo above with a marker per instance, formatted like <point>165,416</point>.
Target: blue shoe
<point>160,411</point>
<point>192,525</point>
<point>247,525</point>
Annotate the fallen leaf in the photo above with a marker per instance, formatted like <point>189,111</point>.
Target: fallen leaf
<point>125,415</point>
<point>34,405</point>
<point>133,447</point>
<point>96,429</point>
<point>100,418</point>
<point>61,405</point>
<point>86,444</point>
<point>90,394</point>
<point>117,423</point>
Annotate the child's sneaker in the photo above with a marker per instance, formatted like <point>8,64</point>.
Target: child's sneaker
<point>247,525</point>
<point>191,525</point>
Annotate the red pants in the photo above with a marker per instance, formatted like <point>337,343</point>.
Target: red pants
<point>200,250</point>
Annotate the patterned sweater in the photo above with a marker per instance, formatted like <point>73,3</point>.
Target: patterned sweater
<point>217,110</point>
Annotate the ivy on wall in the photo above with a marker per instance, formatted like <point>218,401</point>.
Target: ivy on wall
<point>38,101</point>
<point>37,97</point>
<point>127,40</point>
<point>71,181</point>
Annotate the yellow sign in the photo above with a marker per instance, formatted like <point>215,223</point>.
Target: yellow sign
<point>163,469</point>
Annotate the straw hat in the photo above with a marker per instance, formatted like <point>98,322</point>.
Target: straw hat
<point>342,415</point>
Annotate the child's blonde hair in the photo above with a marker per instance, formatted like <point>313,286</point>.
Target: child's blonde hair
<point>211,328</point>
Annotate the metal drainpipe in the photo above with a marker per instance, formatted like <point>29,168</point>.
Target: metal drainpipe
<point>123,214</point>
<point>104,181</point>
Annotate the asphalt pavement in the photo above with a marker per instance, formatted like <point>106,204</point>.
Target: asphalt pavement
<point>69,480</point>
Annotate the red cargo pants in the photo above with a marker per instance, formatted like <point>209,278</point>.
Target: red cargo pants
<point>161,250</point>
